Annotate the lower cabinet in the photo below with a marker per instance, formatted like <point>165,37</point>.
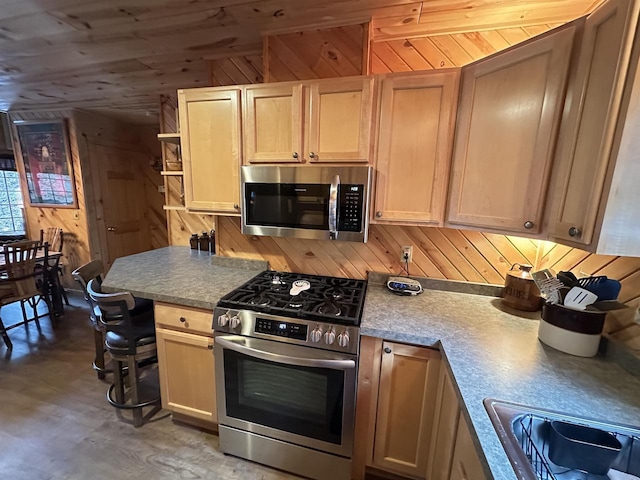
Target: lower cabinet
<point>408,418</point>
<point>466,464</point>
<point>186,363</point>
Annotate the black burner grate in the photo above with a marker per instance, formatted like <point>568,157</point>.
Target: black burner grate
<point>332,299</point>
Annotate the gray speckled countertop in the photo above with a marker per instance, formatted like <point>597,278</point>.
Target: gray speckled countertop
<point>180,275</point>
<point>494,352</point>
<point>491,351</point>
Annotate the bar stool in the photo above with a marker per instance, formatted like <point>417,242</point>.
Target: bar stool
<point>94,270</point>
<point>131,340</point>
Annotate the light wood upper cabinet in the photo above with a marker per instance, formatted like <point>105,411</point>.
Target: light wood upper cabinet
<point>466,464</point>
<point>508,115</point>
<point>406,405</point>
<point>587,136</point>
<point>272,123</point>
<point>185,362</point>
<point>309,122</point>
<point>415,139</point>
<point>211,148</point>
<point>338,120</point>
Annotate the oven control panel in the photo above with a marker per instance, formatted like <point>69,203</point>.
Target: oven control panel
<point>326,336</point>
<point>280,328</point>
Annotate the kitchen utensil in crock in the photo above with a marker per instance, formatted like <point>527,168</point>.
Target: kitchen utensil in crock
<point>606,290</point>
<point>578,298</point>
<point>550,289</point>
<point>568,278</point>
<point>588,282</point>
<point>520,291</point>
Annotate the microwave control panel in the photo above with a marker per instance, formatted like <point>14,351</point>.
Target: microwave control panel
<point>350,204</point>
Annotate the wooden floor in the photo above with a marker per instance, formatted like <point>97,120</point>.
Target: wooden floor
<point>55,422</point>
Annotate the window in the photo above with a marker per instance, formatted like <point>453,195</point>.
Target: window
<point>11,219</point>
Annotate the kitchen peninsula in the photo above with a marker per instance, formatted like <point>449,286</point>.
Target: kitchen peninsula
<point>490,352</point>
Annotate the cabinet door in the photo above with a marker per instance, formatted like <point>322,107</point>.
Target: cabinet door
<point>338,123</point>
<point>273,123</point>
<point>186,367</point>
<point>415,139</point>
<point>406,403</point>
<point>210,123</point>
<point>445,428</point>
<point>587,134</point>
<point>466,464</point>
<point>508,116</point>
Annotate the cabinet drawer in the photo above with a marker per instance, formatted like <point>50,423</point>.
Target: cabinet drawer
<point>187,319</point>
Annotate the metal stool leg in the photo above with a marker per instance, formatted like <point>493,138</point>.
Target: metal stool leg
<point>133,389</point>
<point>98,363</point>
<point>5,336</point>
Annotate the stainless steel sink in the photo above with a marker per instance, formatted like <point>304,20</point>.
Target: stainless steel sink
<point>523,431</point>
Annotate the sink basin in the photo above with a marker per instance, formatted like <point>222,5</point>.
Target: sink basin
<point>524,433</point>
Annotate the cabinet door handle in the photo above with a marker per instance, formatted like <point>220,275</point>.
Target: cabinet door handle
<point>111,229</point>
<point>312,155</point>
<point>529,224</point>
<point>295,155</point>
<point>235,206</point>
<point>210,346</point>
<point>378,214</point>
<point>183,320</point>
<point>387,350</point>
<point>574,232</point>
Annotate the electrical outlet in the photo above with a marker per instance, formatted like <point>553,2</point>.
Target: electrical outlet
<point>406,255</point>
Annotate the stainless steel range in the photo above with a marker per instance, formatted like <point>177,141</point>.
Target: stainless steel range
<point>286,349</point>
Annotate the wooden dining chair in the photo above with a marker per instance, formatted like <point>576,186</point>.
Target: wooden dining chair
<point>22,282</point>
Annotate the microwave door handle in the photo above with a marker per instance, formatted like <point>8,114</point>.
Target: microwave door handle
<point>333,207</point>
<point>286,359</point>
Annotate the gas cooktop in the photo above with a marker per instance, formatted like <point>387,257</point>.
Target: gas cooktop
<point>297,295</point>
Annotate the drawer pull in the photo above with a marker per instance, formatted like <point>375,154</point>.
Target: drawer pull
<point>183,320</point>
<point>387,350</point>
<point>210,346</point>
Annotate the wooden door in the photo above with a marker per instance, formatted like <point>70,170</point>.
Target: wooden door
<point>338,120</point>
<point>211,148</point>
<point>466,464</point>
<point>445,428</point>
<point>509,113</point>
<point>587,134</point>
<point>186,366</point>
<point>121,204</point>
<point>272,123</point>
<point>415,139</point>
<point>406,404</point>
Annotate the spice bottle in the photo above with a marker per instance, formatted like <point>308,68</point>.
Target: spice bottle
<point>193,241</point>
<point>204,242</point>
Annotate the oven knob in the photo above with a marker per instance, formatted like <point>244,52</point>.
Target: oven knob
<point>330,337</point>
<point>316,335</point>
<point>223,319</point>
<point>234,322</point>
<point>343,339</point>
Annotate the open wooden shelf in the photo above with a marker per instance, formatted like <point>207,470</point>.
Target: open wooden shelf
<point>176,173</point>
<point>174,207</point>
<point>169,138</point>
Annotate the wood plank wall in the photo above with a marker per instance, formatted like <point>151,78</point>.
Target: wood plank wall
<point>72,221</point>
<point>81,242</point>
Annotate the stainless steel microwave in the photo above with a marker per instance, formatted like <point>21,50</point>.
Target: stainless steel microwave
<point>320,203</point>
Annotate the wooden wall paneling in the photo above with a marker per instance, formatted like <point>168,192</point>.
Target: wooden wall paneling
<point>72,221</point>
<point>444,51</point>
<point>236,70</point>
<point>333,52</point>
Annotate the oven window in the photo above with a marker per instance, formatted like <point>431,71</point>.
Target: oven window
<point>300,400</point>
<point>299,205</point>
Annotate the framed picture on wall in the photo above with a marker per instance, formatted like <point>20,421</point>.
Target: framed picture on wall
<point>47,163</point>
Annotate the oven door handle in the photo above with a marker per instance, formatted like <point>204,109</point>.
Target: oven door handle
<point>276,357</point>
<point>333,207</point>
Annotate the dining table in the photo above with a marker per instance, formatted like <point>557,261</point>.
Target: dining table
<point>55,289</point>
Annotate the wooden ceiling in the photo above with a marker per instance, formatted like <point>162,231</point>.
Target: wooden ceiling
<point>117,56</point>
